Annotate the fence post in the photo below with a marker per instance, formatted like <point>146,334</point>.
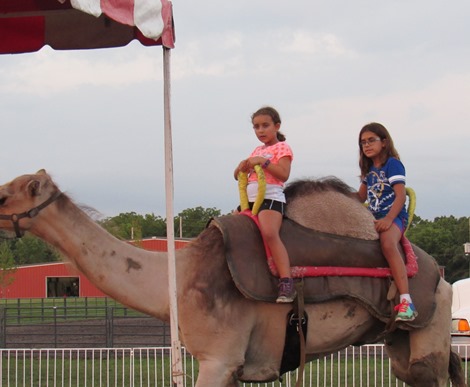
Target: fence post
<point>54,308</point>
<point>18,311</point>
<point>3,327</point>
<point>109,327</point>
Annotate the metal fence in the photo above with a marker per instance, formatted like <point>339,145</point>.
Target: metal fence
<point>97,342</point>
<point>138,367</point>
<point>75,326</point>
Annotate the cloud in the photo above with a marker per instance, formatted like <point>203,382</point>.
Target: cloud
<point>48,72</point>
<point>94,118</point>
<point>308,43</point>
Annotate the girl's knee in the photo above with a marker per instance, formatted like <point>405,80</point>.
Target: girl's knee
<point>271,236</point>
<point>389,248</point>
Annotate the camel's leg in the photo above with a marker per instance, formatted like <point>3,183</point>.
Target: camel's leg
<point>215,373</point>
<point>430,346</point>
<point>398,349</point>
<point>421,357</point>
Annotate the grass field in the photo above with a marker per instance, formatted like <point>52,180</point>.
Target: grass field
<point>151,367</point>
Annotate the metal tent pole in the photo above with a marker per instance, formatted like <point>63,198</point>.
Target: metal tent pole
<point>176,358</point>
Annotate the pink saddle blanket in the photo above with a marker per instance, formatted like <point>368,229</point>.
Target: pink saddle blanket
<point>247,262</point>
<point>411,263</point>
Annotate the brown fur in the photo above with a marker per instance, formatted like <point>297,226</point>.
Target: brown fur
<point>455,370</point>
<point>304,187</point>
<point>322,204</point>
<point>203,283</point>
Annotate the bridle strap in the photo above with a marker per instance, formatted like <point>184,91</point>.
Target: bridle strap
<point>15,218</point>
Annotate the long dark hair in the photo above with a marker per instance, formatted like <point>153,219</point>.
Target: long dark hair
<point>271,112</point>
<point>388,151</point>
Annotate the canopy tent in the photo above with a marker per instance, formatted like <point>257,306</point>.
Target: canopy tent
<point>28,25</point>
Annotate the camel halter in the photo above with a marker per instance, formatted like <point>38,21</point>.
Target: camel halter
<point>15,218</point>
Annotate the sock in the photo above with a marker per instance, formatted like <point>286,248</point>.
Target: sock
<point>407,297</point>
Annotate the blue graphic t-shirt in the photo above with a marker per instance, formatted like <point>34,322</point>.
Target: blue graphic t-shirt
<point>380,182</point>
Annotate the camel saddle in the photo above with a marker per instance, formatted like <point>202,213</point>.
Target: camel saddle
<point>247,262</point>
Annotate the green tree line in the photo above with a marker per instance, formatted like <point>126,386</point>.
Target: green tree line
<point>443,238</point>
<point>188,223</point>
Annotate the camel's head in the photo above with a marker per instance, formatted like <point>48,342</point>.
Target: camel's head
<point>22,198</point>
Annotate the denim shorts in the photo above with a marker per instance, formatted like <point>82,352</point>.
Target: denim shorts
<point>401,223</point>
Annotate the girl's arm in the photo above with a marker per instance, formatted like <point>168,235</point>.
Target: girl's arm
<point>362,193</point>
<point>280,171</point>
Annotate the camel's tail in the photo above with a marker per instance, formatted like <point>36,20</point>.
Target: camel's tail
<point>455,370</point>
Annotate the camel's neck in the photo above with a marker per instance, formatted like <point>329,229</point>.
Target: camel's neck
<point>133,276</point>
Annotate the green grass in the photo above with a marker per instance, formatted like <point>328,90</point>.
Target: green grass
<point>151,367</point>
<point>148,367</point>
<point>107,368</point>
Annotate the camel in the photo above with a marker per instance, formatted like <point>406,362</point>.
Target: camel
<point>232,337</point>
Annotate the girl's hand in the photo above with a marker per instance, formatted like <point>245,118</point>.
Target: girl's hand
<point>386,222</point>
<point>255,160</point>
<point>244,166</point>
<point>383,224</point>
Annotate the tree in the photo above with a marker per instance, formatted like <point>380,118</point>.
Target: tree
<point>131,225</point>
<point>153,226</point>
<point>30,249</point>
<point>124,226</point>
<point>7,266</point>
<point>443,238</point>
<point>191,222</point>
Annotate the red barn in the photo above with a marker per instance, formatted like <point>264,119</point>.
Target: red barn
<point>59,279</point>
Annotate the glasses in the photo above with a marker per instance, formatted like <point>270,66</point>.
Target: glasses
<point>369,141</point>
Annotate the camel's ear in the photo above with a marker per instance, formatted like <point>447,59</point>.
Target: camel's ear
<point>34,187</point>
<point>41,172</point>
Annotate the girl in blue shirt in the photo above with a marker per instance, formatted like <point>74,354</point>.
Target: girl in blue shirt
<point>383,187</point>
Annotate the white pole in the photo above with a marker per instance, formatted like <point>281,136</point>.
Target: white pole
<point>176,359</point>
<point>181,227</point>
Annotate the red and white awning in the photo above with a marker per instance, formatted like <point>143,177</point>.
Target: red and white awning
<point>28,25</point>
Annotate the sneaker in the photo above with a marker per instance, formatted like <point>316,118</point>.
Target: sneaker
<point>287,292</point>
<point>406,311</point>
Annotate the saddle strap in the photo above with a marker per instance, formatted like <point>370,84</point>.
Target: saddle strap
<point>299,311</point>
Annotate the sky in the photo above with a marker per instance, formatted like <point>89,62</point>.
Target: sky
<point>94,118</point>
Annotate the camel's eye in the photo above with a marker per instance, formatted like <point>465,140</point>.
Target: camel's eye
<point>2,201</point>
